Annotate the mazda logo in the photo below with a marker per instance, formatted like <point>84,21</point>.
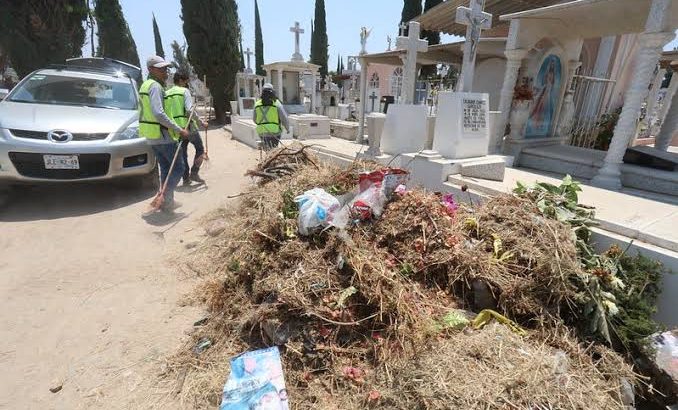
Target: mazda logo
<point>59,136</point>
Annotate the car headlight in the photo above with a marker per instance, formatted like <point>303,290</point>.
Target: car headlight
<point>130,132</point>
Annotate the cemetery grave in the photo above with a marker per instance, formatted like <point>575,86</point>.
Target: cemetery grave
<point>389,312</point>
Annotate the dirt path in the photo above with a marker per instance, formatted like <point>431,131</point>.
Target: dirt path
<point>91,297</point>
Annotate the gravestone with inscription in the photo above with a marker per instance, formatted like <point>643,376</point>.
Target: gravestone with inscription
<point>462,125</point>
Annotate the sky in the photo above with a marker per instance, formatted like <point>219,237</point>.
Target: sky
<point>344,20</point>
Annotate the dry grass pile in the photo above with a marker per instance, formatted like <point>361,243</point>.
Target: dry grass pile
<point>359,313</point>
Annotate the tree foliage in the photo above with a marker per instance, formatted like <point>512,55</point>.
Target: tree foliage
<point>411,9</point>
<point>211,30</point>
<point>159,51</point>
<point>319,44</point>
<point>433,37</point>
<point>258,42</point>
<point>36,33</point>
<point>180,61</point>
<point>115,38</point>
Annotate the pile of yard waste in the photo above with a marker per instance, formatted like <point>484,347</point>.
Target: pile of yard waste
<point>382,296</point>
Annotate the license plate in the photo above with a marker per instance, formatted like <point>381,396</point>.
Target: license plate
<point>61,162</point>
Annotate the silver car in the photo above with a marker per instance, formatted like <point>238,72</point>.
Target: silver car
<point>69,123</point>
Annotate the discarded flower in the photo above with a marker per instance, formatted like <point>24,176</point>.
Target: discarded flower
<point>373,396</point>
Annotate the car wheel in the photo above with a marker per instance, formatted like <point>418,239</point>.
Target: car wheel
<point>150,181</point>
<point>5,195</point>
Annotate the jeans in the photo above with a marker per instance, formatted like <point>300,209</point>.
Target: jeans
<point>194,139</point>
<point>165,153</point>
<point>269,142</point>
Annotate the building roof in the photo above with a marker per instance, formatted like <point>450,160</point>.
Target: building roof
<point>598,18</point>
<point>450,53</point>
<point>299,66</point>
<point>442,17</point>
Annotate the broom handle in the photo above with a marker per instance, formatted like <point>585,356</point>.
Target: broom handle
<point>176,155</point>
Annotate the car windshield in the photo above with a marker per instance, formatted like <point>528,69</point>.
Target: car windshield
<point>62,90</point>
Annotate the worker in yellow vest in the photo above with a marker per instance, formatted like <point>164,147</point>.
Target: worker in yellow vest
<point>270,117</point>
<point>178,105</point>
<point>155,126</point>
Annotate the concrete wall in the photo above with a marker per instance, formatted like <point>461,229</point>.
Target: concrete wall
<point>488,78</point>
<point>667,308</point>
<point>384,71</point>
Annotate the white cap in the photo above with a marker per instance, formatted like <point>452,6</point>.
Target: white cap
<point>267,86</point>
<point>157,62</point>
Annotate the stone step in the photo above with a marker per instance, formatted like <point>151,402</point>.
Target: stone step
<point>485,168</point>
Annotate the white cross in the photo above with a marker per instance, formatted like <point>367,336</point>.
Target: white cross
<point>475,19</point>
<point>413,44</point>
<point>297,30</point>
<point>248,53</point>
<point>373,97</point>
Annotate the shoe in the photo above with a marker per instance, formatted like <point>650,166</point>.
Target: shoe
<point>196,178</point>
<point>170,207</point>
<point>187,181</point>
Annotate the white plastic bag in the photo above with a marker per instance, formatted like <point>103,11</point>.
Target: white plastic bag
<point>316,208</point>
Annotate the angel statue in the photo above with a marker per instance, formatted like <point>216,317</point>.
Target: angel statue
<point>364,33</point>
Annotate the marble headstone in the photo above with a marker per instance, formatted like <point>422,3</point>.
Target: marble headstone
<point>405,129</point>
<point>246,106</point>
<point>462,127</point>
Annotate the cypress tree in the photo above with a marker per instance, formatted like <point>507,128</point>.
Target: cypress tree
<point>258,42</point>
<point>240,50</point>
<point>338,64</point>
<point>211,30</point>
<point>342,65</point>
<point>319,45</point>
<point>159,51</point>
<point>115,38</point>
<point>433,38</point>
<point>36,33</point>
<point>180,61</point>
<point>411,9</point>
<point>313,44</point>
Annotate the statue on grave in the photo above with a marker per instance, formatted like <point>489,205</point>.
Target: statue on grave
<point>389,40</point>
<point>476,24</point>
<point>364,33</point>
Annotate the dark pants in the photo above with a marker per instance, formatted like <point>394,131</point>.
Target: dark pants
<point>269,142</point>
<point>165,154</point>
<point>194,139</point>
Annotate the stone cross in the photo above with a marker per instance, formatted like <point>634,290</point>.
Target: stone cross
<point>389,40</point>
<point>413,44</point>
<point>297,30</point>
<point>373,97</point>
<point>475,19</point>
<point>249,53</point>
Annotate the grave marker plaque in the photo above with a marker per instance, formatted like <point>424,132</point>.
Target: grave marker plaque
<point>462,125</point>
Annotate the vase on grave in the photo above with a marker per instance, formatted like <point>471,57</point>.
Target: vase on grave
<point>520,112</point>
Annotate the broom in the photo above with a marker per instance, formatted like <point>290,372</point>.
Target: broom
<point>205,155</point>
<point>159,199</point>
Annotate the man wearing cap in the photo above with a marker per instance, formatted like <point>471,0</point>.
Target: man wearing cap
<point>178,106</point>
<point>270,117</point>
<point>154,125</point>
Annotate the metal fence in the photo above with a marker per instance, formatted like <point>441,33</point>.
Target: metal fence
<point>591,101</point>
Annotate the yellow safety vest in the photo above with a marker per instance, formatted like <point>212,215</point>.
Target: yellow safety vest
<point>149,127</point>
<point>175,108</point>
<point>267,119</point>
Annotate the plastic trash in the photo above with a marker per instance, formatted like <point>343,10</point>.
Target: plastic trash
<point>256,382</point>
<point>369,203</point>
<point>316,208</point>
